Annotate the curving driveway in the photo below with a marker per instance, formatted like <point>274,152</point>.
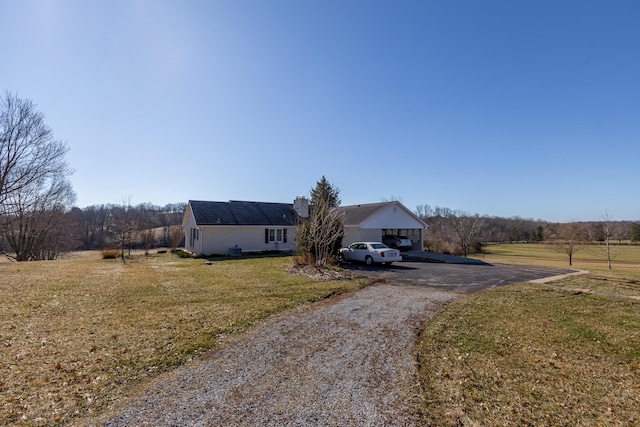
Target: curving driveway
<point>345,361</point>
<point>458,274</point>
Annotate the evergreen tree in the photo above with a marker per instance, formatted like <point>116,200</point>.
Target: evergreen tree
<point>327,192</point>
<point>321,235</point>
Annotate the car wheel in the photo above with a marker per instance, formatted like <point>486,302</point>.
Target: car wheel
<point>340,257</point>
<point>368,260</point>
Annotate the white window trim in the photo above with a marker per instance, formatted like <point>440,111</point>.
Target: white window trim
<point>276,235</point>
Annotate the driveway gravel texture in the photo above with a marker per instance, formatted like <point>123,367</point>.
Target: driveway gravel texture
<point>346,361</point>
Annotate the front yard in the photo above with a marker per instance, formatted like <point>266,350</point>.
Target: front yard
<point>539,355</point>
<point>78,335</point>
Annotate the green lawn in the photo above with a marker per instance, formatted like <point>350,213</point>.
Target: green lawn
<point>625,258</point>
<point>537,355</point>
<point>77,335</point>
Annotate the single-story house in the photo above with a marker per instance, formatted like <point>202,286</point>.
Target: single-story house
<point>235,226</point>
<point>369,222</point>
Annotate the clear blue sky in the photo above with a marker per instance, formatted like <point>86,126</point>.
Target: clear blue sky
<point>505,108</point>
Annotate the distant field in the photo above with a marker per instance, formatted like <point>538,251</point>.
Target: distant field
<point>77,335</point>
<point>589,257</point>
<point>539,355</point>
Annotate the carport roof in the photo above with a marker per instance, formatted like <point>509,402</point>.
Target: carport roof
<point>357,214</point>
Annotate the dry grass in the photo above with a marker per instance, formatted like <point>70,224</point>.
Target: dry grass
<point>625,258</point>
<point>534,355</point>
<point>78,334</point>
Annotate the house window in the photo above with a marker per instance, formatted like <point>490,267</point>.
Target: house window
<point>193,236</point>
<point>275,235</point>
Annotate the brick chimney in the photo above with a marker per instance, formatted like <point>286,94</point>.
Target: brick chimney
<point>301,206</point>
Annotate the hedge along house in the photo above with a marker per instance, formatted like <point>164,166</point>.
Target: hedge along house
<point>370,222</point>
<point>234,227</point>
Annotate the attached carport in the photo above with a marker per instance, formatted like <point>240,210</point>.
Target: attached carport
<point>369,222</point>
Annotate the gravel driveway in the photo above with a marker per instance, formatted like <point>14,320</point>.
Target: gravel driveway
<point>345,361</point>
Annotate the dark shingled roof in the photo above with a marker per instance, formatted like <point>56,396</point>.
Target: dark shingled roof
<point>356,214</point>
<point>236,212</point>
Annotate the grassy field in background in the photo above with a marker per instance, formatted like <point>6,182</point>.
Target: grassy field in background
<point>76,335</point>
<point>625,258</point>
<point>532,354</point>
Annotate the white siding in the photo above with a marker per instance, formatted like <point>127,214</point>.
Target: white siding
<point>357,234</point>
<point>189,223</point>
<point>218,239</point>
<point>392,216</point>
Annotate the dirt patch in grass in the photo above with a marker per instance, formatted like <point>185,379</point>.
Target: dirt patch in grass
<point>532,355</point>
<point>77,334</point>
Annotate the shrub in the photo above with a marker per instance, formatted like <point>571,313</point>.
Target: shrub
<point>321,235</point>
<point>181,254</point>
<point>303,259</point>
<point>111,253</point>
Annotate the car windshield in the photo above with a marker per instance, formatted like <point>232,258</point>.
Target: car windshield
<point>379,246</point>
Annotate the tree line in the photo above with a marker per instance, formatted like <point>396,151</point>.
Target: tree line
<point>461,233</point>
<point>38,219</point>
<point>142,226</point>
<point>458,232</point>
<point>120,227</point>
<point>35,192</point>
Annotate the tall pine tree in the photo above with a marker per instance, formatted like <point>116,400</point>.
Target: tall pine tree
<point>324,191</point>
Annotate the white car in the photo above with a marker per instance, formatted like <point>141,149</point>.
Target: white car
<point>369,253</point>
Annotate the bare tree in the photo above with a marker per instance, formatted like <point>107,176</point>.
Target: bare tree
<point>467,229</point>
<point>438,237</point>
<point>34,190</point>
<point>123,228</point>
<point>392,198</point>
<point>176,234</point>
<point>607,228</point>
<point>31,219</point>
<point>28,152</point>
<point>635,233</point>
<point>321,235</point>
<point>170,216</point>
<point>423,211</point>
<point>569,238</point>
<point>146,219</point>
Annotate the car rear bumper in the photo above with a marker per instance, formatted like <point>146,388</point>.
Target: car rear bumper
<point>389,259</point>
